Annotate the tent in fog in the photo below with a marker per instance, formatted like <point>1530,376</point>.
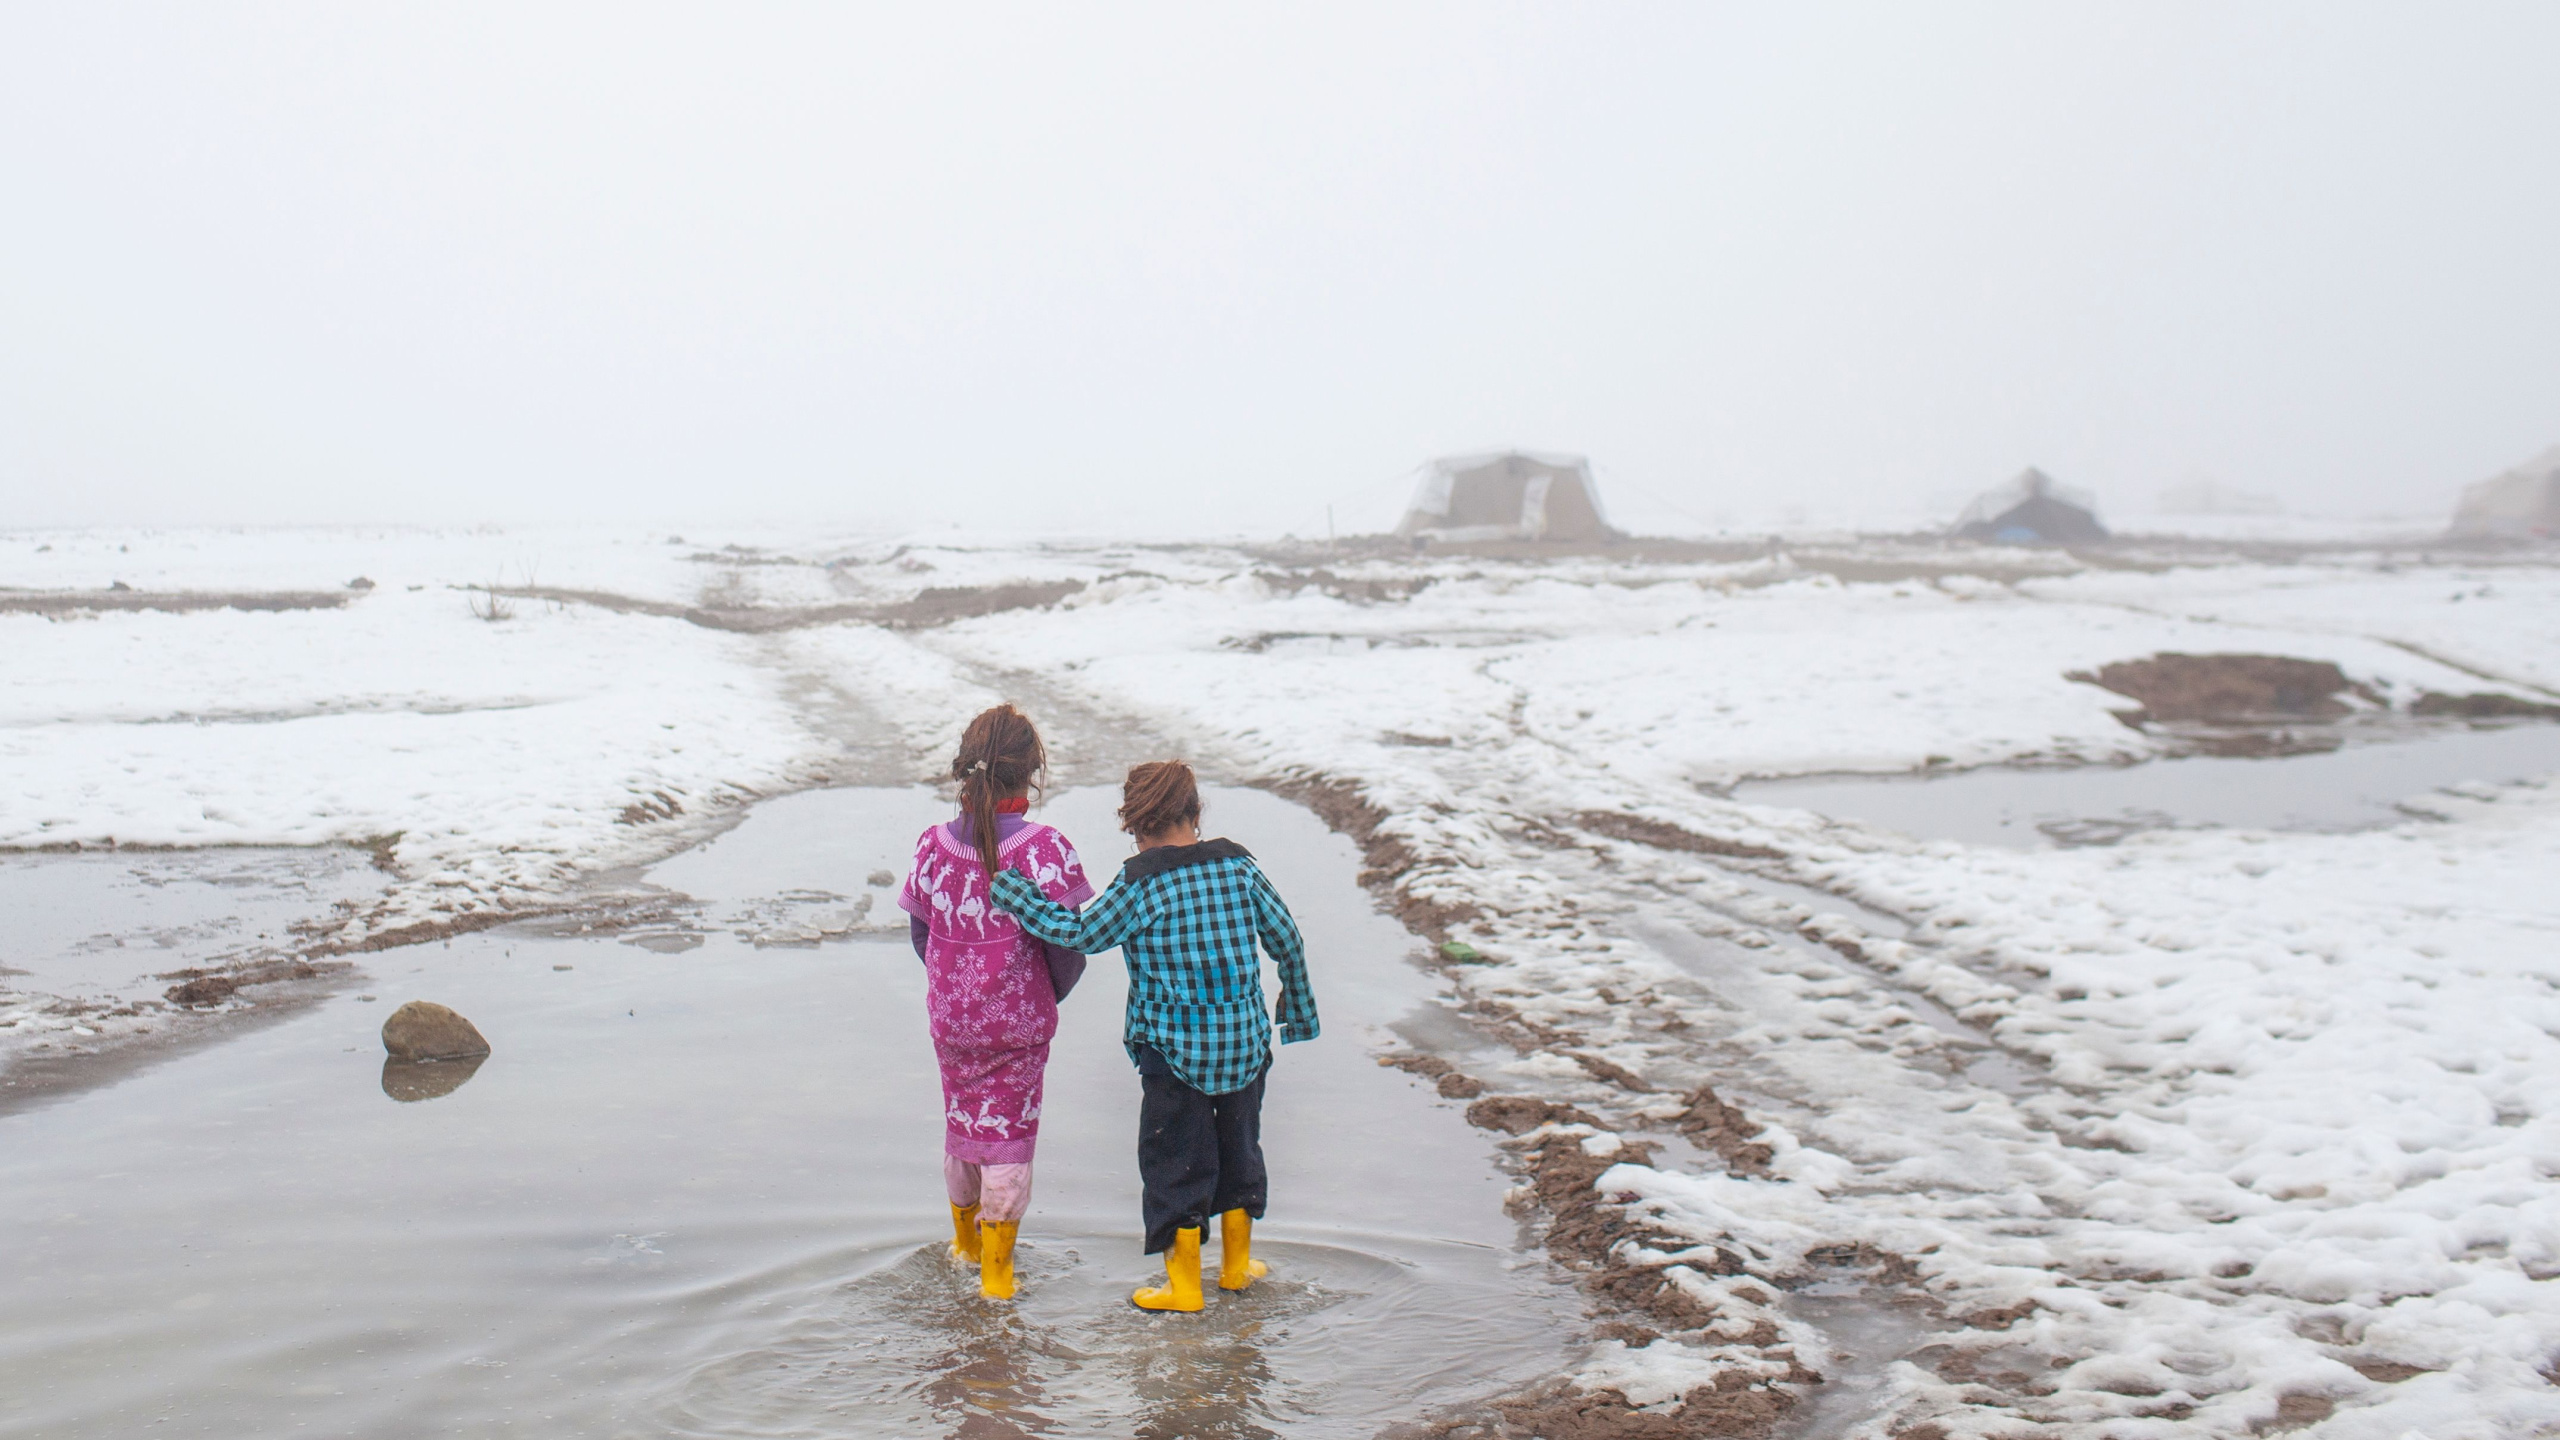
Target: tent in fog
<point>1515,495</point>
<point>2522,504</point>
<point>2031,510</point>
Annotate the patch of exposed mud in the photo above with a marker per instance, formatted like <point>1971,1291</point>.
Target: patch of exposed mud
<point>2483,707</point>
<point>424,932</point>
<point>2227,689</point>
<point>1736,1405</point>
<point>942,604</point>
<point>1715,1125</point>
<point>1447,1078</point>
<point>657,805</point>
<point>75,602</point>
<point>1663,835</point>
<point>203,988</point>
<point>932,606</point>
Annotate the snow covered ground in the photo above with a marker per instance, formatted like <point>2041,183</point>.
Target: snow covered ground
<point>2200,1133</point>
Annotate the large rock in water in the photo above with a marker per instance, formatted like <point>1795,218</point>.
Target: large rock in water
<point>424,1030</point>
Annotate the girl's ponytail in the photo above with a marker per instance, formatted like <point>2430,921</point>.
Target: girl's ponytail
<point>1000,755</point>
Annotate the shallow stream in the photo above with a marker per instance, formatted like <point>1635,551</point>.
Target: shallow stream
<point>696,1191</point>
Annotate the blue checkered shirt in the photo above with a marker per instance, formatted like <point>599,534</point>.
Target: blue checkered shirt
<point>1195,984</point>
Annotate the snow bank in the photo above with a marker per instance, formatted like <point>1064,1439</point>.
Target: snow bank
<point>509,759</point>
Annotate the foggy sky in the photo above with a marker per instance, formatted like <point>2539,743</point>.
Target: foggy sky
<point>1194,269</point>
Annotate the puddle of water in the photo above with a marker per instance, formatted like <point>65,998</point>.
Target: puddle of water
<point>1866,1332</point>
<point>2345,789</point>
<point>907,1343</point>
<point>700,1194</point>
<point>805,848</point>
<point>92,924</point>
<point>807,878</point>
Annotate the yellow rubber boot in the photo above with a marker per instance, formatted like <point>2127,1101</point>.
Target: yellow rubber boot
<point>1181,1289</point>
<point>964,1233</point>
<point>1236,1266</point>
<point>995,1259</point>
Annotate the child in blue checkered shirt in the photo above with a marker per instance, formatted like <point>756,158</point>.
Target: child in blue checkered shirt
<point>1187,914</point>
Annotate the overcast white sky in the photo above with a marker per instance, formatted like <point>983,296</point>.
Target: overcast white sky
<point>1199,269</point>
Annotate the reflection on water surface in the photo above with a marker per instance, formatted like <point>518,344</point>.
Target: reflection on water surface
<point>913,1348</point>
<point>414,1080</point>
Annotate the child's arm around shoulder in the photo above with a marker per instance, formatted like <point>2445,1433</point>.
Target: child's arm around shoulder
<point>1121,912</point>
<point>1054,866</point>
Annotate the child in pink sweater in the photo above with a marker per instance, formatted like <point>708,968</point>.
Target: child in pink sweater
<point>991,991</point>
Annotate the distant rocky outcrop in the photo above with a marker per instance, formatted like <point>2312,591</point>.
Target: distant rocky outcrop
<point>424,1030</point>
<point>2521,505</point>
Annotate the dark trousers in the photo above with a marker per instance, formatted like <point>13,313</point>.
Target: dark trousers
<point>1200,1155</point>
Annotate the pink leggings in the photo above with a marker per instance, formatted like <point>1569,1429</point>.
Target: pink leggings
<point>1001,1192</point>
